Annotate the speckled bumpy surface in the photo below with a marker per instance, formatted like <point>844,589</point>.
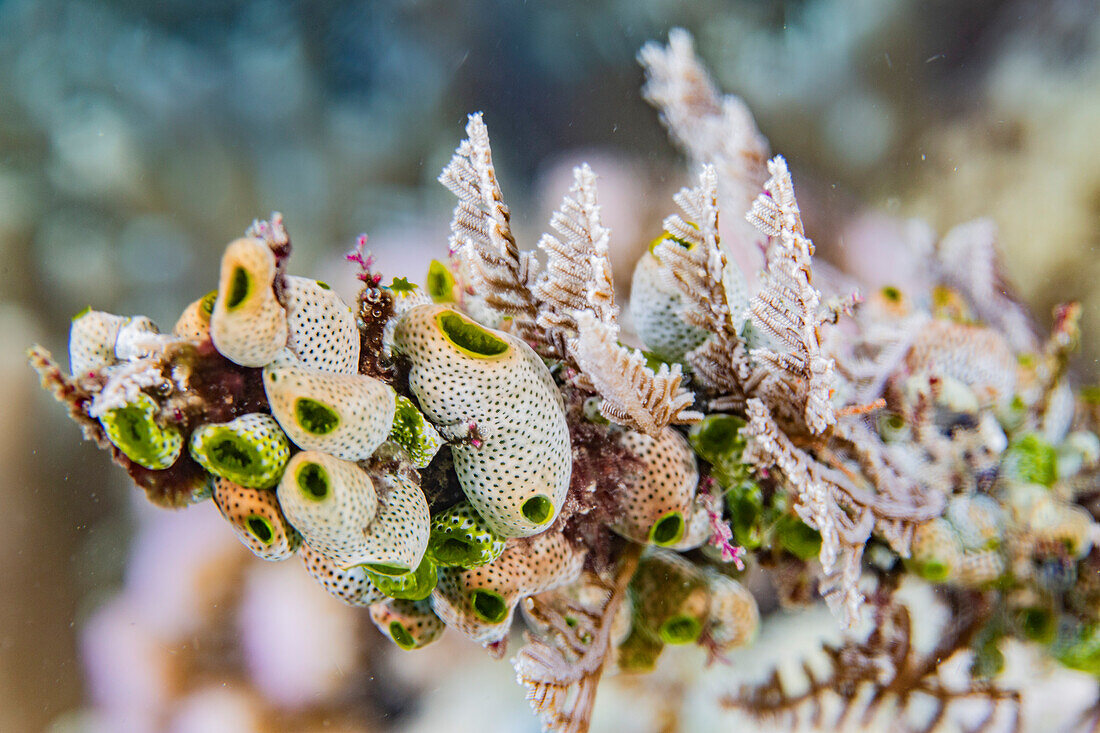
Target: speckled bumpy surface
<point>511,399</point>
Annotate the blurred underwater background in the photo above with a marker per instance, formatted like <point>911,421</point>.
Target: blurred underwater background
<point>137,138</point>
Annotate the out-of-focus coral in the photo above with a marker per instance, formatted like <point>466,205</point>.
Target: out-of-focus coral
<point>199,639</point>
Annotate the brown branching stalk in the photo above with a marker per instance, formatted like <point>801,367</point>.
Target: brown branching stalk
<point>562,672</point>
<point>883,670</point>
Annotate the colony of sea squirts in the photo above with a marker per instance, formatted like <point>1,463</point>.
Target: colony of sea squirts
<point>488,443</point>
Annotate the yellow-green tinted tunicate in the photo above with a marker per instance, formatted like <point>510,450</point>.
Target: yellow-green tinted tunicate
<point>935,552</point>
<point>134,431</point>
<point>516,466</point>
<point>248,326</point>
<point>1081,650</point>
<point>330,502</point>
<point>655,307</point>
<point>797,537</point>
<point>656,508</point>
<point>256,519</point>
<point>92,337</point>
<point>344,415</point>
<point>460,538</point>
<point>410,624</point>
<point>394,543</point>
<point>480,602</point>
<point>1030,459</point>
<point>419,439</point>
<point>671,598</point>
<point>194,322</point>
<point>733,618</point>
<point>350,585</point>
<point>440,283</point>
<point>321,328</point>
<point>415,585</point>
<point>250,450</point>
<point>978,520</point>
<point>717,438</point>
<point>639,652</point>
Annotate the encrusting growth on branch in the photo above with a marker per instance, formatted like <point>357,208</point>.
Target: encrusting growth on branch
<point>696,264</point>
<point>787,305</point>
<point>481,233</point>
<point>633,394</point>
<point>578,272</point>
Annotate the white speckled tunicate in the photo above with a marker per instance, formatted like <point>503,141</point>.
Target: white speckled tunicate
<point>92,338</point>
<point>320,326</point>
<point>256,519</point>
<point>352,586</point>
<point>194,322</point>
<point>733,618</point>
<point>345,415</point>
<point>657,508</point>
<point>395,541</point>
<point>330,502</point>
<point>248,326</point>
<point>517,472</point>
<point>479,602</point>
<point>655,307</point>
<point>411,624</point>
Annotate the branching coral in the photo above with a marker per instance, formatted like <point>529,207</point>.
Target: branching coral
<point>447,460</point>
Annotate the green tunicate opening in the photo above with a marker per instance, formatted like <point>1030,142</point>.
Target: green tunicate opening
<point>323,285</point>
<point>133,431</point>
<point>537,509</point>
<point>260,528</point>
<point>668,530</point>
<point>206,305</point>
<point>315,417</point>
<point>454,551</point>
<point>935,571</point>
<point>401,636</point>
<point>470,337</point>
<point>414,585</point>
<point>1038,624</point>
<point>314,481</point>
<point>391,570</point>
<point>1033,460</point>
<point>797,537</point>
<point>238,288</point>
<point>489,606</point>
<point>440,282</point>
<point>133,428</point>
<point>680,630</point>
<point>718,438</point>
<point>83,312</point>
<point>227,452</point>
<point>891,293</point>
<point>667,237</point>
